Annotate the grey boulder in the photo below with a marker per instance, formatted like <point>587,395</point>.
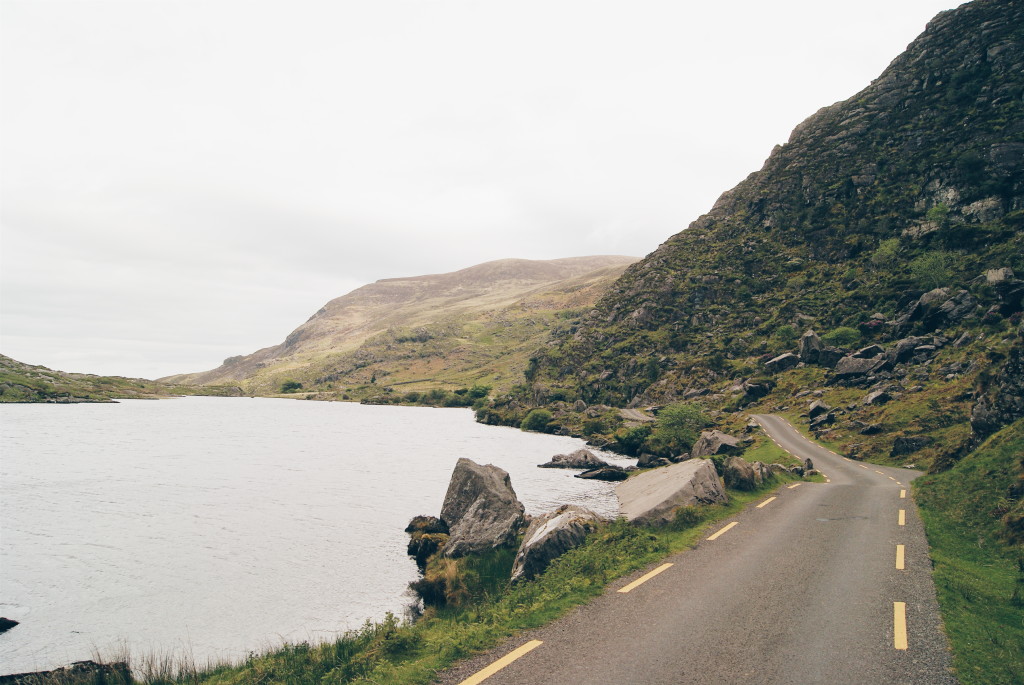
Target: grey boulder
<point>480,509</point>
<point>580,459</point>
<point>714,442</point>
<point>739,474</point>
<point>653,497</point>
<point>550,536</point>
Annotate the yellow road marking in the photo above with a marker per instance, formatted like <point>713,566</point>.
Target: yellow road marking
<point>903,494</point>
<point>767,501</point>
<point>891,478</point>
<point>828,480</point>
<point>501,663</point>
<point>862,466</point>
<point>900,557</point>
<point>723,530</point>
<point>795,485</point>
<point>903,517</point>
<point>879,472</point>
<point>898,483</point>
<point>644,578</point>
<point>899,625</point>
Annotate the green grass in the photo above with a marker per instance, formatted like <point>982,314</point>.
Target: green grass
<point>400,653</point>
<point>978,565</point>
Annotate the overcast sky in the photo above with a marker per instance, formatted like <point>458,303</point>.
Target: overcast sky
<point>185,181</point>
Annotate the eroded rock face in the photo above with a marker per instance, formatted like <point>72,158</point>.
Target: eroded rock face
<point>1003,401</point>
<point>480,509</point>
<point>550,536</point>
<point>580,459</point>
<point>714,442</point>
<point>909,445</point>
<point>653,497</point>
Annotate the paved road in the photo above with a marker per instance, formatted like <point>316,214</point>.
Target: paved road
<point>802,590</point>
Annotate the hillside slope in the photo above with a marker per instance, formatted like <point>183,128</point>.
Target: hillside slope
<point>895,213</point>
<point>479,323</point>
<point>24,383</point>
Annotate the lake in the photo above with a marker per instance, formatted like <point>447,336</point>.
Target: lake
<point>213,527</point>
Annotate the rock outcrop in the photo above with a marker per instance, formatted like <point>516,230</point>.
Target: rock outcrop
<point>1002,400</point>
<point>580,459</point>
<point>427,536</point>
<point>550,536</point>
<point>715,442</point>
<point>480,509</point>
<point>653,497</point>
<point>609,472</point>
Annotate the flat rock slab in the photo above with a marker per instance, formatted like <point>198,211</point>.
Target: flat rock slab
<point>653,497</point>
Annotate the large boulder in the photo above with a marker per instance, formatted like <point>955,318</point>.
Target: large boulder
<point>810,347</point>
<point>739,474</point>
<point>653,497</point>
<point>715,442</point>
<point>580,459</point>
<point>550,536</point>
<point>480,509</point>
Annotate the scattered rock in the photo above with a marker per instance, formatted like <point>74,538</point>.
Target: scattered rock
<point>550,536</point>
<point>823,420</point>
<point>829,356</point>
<point>609,472</point>
<point>871,429</point>
<point>869,352</point>
<point>739,474</point>
<point>851,367</point>
<point>909,444</point>
<point>580,459</point>
<point>654,496</point>
<point>782,362</point>
<point>818,407</point>
<point>714,442</point>
<point>426,524</point>
<point>650,461</point>
<point>877,397</point>
<point>480,509</point>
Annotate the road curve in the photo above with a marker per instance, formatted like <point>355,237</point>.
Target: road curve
<point>804,589</point>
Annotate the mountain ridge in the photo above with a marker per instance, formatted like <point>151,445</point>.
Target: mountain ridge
<point>347,323</point>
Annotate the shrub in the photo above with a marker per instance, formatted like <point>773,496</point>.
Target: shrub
<point>677,426</point>
<point>291,386</point>
<point>932,269</point>
<point>537,420</point>
<point>631,441</point>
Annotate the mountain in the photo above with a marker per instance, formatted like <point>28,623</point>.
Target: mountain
<point>475,325</point>
<point>913,184</point>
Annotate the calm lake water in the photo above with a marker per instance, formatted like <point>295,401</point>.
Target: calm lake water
<point>218,526</point>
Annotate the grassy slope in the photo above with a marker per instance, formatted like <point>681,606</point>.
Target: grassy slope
<point>978,570</point>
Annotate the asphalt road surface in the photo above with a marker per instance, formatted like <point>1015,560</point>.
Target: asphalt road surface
<point>816,583</point>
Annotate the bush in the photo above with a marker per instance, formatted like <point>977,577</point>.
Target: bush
<point>291,386</point>
<point>537,420</point>
<point>677,426</point>
<point>933,269</point>
<point>631,441</point>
